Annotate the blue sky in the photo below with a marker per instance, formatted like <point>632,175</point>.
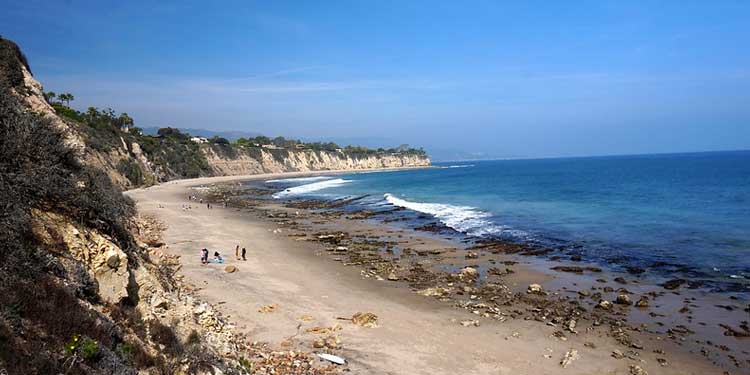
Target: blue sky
<point>482,79</point>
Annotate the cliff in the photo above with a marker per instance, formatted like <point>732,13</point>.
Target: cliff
<point>86,286</point>
<point>265,161</point>
<point>132,159</point>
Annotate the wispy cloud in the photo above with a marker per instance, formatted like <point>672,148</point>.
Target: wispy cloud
<point>265,86</point>
<point>276,74</point>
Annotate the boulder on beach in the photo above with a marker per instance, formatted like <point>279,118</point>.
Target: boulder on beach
<point>368,320</point>
<point>604,305</point>
<point>535,289</point>
<point>230,269</point>
<point>469,272</point>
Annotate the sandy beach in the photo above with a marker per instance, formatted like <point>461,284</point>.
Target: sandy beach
<point>415,334</point>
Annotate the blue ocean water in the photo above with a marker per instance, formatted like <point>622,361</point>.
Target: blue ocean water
<point>679,213</point>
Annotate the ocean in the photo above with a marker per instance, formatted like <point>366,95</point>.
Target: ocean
<point>667,215</point>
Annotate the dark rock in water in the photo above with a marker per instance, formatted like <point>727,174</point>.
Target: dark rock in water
<point>572,269</point>
<point>576,269</point>
<point>635,270</point>
<point>623,299</point>
<point>620,280</point>
<point>434,228</point>
<point>642,302</point>
<point>725,307</point>
<point>731,331</point>
<point>673,284</point>
<point>575,258</point>
<point>537,252</point>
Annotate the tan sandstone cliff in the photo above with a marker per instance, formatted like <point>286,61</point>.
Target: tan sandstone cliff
<point>304,161</point>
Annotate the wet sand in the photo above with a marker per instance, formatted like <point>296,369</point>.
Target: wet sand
<point>416,334</point>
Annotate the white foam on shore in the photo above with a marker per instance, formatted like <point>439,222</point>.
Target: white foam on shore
<point>465,219</point>
<point>299,179</point>
<point>308,188</point>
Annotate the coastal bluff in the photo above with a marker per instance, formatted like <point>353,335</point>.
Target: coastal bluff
<point>301,161</point>
<point>132,159</point>
<point>90,285</point>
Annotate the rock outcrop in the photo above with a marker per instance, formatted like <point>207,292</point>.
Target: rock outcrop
<point>303,161</point>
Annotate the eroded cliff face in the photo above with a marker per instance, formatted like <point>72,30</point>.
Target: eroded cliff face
<point>242,163</point>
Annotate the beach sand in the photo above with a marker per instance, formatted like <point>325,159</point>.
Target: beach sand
<point>415,334</point>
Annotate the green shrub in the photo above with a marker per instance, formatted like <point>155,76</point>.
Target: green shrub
<point>88,348</point>
<point>131,170</point>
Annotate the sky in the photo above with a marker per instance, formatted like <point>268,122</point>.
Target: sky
<point>468,79</point>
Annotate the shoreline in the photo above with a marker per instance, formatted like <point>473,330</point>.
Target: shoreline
<point>191,182</point>
<point>311,254</point>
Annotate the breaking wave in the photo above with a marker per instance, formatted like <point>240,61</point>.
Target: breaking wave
<point>308,188</point>
<point>299,179</point>
<point>468,220</point>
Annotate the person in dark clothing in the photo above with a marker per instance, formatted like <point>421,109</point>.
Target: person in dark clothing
<point>243,253</point>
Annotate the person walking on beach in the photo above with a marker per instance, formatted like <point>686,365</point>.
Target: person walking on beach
<point>243,253</point>
<point>237,252</point>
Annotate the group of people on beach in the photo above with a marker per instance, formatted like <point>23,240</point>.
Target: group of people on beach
<point>200,200</point>
<point>239,254</point>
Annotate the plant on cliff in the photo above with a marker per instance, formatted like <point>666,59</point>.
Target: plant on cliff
<point>39,171</point>
<point>175,152</point>
<point>66,97</point>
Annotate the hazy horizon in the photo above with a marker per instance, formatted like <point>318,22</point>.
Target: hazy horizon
<point>480,80</point>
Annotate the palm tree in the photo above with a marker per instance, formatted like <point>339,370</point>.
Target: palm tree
<point>51,96</point>
<point>66,97</point>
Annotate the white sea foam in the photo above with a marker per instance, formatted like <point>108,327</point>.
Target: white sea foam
<point>465,219</point>
<point>299,179</point>
<point>308,188</point>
